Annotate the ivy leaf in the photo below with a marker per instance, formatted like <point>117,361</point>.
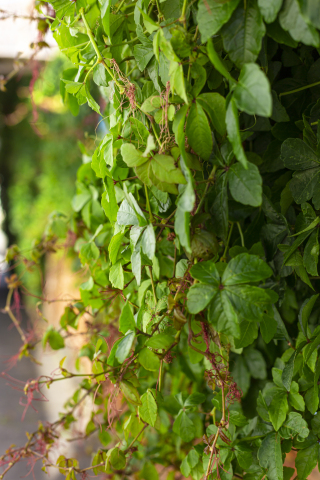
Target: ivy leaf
<point>294,425</point>
<point>270,456</point>
<point>217,62</point>
<point>148,411</point>
<point>184,427</point>
<point>304,185</point>
<point>278,408</point>
<point>269,9</point>
<point>245,184</point>
<point>143,54</point>
<point>245,268</point>
<point>305,312</point>
<point>268,328</point>
<point>215,106</point>
<point>292,21</point>
<point>124,346</point>
<point>109,202</point>
<point>126,321</point>
<point>149,360</point>
<point>116,275</point>
<point>307,460</point>
<point>148,242</point>
<point>162,340</point>
<point>206,272</point>
<point>105,17</point>
<point>213,15</point>
<point>130,392</point>
<point>199,297</point>
<point>219,208</point>
<point>198,131</point>
<point>252,93</point>
<point>297,155</point>
<point>248,333</point>
<point>126,215</point>
<point>233,131</point>
<point>311,254</point>
<point>310,10</point>
<point>242,35</point>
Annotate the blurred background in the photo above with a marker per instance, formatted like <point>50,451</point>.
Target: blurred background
<point>39,157</point>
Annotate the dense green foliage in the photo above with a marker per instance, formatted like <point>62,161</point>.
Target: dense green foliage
<point>197,220</point>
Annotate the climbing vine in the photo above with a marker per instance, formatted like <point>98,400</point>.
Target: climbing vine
<point>196,222</point>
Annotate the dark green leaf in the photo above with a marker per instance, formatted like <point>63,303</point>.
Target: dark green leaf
<point>245,184</point>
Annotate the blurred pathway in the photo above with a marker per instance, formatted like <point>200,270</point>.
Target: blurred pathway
<point>12,429</point>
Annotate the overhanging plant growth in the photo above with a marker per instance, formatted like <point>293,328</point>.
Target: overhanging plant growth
<point>196,220</point>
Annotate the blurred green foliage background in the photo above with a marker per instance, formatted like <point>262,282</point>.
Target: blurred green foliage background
<point>39,155</point>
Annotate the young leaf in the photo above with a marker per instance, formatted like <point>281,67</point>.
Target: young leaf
<point>126,321</point>
<point>242,35</point>
<point>245,184</point>
<point>198,131</point>
<point>252,93</point>
<point>148,410</point>
<point>213,15</point>
<point>270,456</point>
<point>233,131</point>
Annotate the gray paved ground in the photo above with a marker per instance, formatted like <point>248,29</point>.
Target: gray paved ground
<point>12,429</point>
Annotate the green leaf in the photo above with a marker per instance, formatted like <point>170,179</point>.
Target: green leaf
<point>54,339</point>
<point>212,15</point>
<point>215,106</point>
<point>310,10</point>
<point>241,375</point>
<point>292,21</point>
<point>245,184</point>
<point>288,369</point>
<point>126,321</point>
<point>105,17</point>
<point>184,427</point>
<point>139,129</point>
<point>245,268</point>
<point>198,131</point>
<point>242,35</point>
<point>124,346</point>
<point>162,340</point>
<point>256,363</point>
<point>132,156</point>
<point>130,392</point>
<point>194,399</point>
<point>305,312</point>
<point>294,425</point>
<point>268,328</point>
<point>109,202</point>
<point>116,275</point>
<point>126,215</point>
<point>243,455</point>
<point>164,169</point>
<point>311,254</point>
<point>270,456</point>
<point>199,296</point>
<point>248,333</point>
<point>233,130</point>
<point>148,411</point>
<point>114,246</point>
<point>217,62</point>
<point>307,460</point>
<point>252,93</point>
<point>269,9</point>
<point>143,54</point>
<point>206,272</point>
<point>117,458</point>
<point>278,408</point>
<point>149,360</point>
<point>297,155</point>
<point>89,252</point>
